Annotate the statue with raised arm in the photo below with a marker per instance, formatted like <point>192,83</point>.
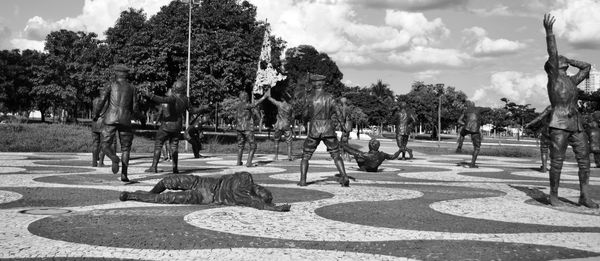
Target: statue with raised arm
<point>346,125</point>
<point>470,122</point>
<point>121,98</point>
<point>370,161</point>
<point>540,124</point>
<point>283,127</point>
<point>172,122</point>
<point>565,122</point>
<point>236,189</point>
<point>245,116</point>
<point>404,118</point>
<point>321,108</point>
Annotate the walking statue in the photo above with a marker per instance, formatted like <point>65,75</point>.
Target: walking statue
<point>171,125</point>
<point>370,161</point>
<point>193,134</point>
<point>97,152</point>
<point>404,119</point>
<point>245,116</point>
<point>321,106</point>
<point>470,121</point>
<point>565,122</point>
<point>541,122</point>
<point>283,127</point>
<point>121,97</point>
<point>232,189</point>
<point>346,122</point>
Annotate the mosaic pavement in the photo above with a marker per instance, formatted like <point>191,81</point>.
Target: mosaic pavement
<point>54,206</point>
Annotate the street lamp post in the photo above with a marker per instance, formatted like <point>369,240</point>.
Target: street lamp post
<point>187,113</point>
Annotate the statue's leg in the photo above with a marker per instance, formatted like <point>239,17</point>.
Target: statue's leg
<point>183,197</point>
<point>108,136</point>
<point>126,138</point>
<point>276,150</point>
<point>405,146</point>
<point>241,140</point>
<point>176,182</point>
<point>544,145</point>
<point>557,156</point>
<point>333,147</point>
<point>174,143</point>
<point>308,149</point>
<point>159,140</point>
<point>289,140</point>
<point>252,145</point>
<point>579,142</point>
<point>400,146</point>
<point>95,148</point>
<point>597,159</point>
<point>461,139</point>
<point>476,138</point>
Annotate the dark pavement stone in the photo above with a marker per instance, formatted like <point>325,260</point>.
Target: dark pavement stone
<point>59,197</point>
<point>415,214</point>
<point>83,179</point>
<point>164,228</point>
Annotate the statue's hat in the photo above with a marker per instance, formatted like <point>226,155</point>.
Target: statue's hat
<point>317,78</point>
<point>121,68</point>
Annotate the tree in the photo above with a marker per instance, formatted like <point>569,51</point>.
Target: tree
<point>15,80</point>
<point>306,59</point>
<point>519,114</point>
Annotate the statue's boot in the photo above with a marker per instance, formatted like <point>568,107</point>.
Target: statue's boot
<point>155,160</point>
<point>250,157</point>
<point>289,149</point>
<point>584,187</point>
<point>474,159</point>
<point>544,166</point>
<point>125,165</point>
<point>276,151</point>
<point>174,160</point>
<point>239,156</point>
<point>110,152</point>
<point>554,182</point>
<point>95,153</point>
<point>139,196</point>
<point>339,164</point>
<point>303,172</point>
<point>410,155</point>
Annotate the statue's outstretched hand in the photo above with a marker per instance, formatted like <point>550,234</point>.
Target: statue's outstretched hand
<point>548,22</point>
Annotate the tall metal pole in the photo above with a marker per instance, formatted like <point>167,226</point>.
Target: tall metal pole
<point>439,120</point>
<point>187,113</point>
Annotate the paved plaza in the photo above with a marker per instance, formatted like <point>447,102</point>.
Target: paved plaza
<point>55,206</point>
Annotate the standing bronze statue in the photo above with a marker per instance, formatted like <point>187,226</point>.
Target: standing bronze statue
<point>346,125</point>
<point>283,126</point>
<point>232,189</point>
<point>593,131</point>
<point>172,121</point>
<point>470,121</point>
<point>121,97</point>
<point>321,107</point>
<point>97,152</point>
<point>404,118</point>
<point>565,121</point>
<point>245,116</point>
<point>541,122</point>
<point>370,161</point>
<point>193,134</point>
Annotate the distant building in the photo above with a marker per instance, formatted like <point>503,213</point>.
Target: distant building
<point>592,83</point>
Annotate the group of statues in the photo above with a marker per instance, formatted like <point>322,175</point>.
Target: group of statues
<point>116,107</point>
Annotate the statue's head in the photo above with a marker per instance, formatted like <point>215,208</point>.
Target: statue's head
<point>344,101</point>
<point>402,105</point>
<point>374,145</point>
<point>263,193</point>
<point>317,80</point>
<point>243,96</point>
<point>121,71</point>
<point>179,87</point>
<point>562,63</point>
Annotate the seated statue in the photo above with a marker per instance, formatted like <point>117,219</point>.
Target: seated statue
<point>232,189</point>
<point>370,161</point>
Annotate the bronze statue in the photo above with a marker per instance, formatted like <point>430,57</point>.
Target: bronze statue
<point>404,119</point>
<point>120,96</point>
<point>542,122</point>
<point>160,118</point>
<point>321,107</point>
<point>370,161</point>
<point>245,116</point>
<point>170,129</point>
<point>283,127</point>
<point>97,152</point>
<point>232,189</point>
<point>346,125</point>
<point>472,116</point>
<point>593,132</point>
<point>193,134</point>
<point>565,121</point>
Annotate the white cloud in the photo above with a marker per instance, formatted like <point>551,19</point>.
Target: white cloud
<point>427,74</point>
<point>412,5</point>
<point>421,57</point>
<point>578,22</point>
<point>96,16</point>
<point>481,45</point>
<point>332,27</point>
<point>20,43</point>
<point>5,34</point>
<point>518,87</point>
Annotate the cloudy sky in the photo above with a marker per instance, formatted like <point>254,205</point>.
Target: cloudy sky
<point>487,48</point>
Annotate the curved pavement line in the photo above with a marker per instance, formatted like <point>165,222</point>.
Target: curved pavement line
<point>301,223</point>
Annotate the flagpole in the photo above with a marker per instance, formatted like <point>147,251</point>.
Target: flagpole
<point>187,112</point>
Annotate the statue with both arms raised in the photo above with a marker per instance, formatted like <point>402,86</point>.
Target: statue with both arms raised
<point>565,121</point>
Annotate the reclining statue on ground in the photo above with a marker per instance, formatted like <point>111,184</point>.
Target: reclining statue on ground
<point>232,189</point>
<point>370,161</point>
